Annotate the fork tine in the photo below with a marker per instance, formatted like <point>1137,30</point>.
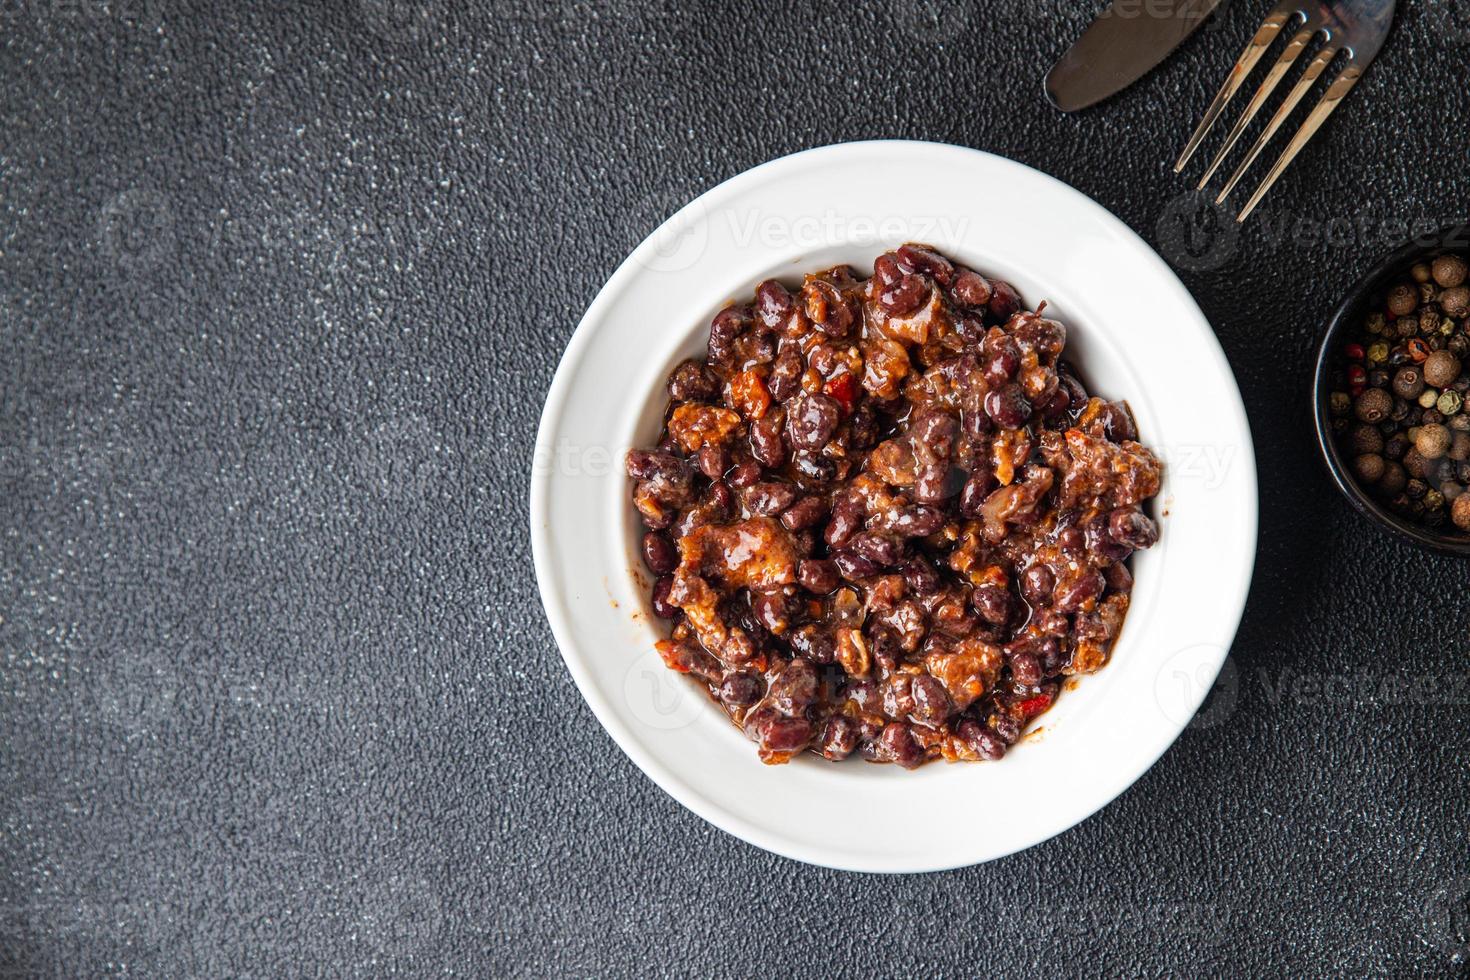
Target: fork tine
<point>1313,72</point>
<point>1273,78</point>
<point>1339,89</point>
<point>1272,26</point>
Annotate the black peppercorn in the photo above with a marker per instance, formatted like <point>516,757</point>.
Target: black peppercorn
<point>1449,271</point>
<point>1378,378</point>
<point>1416,488</point>
<point>1393,480</point>
<point>1368,467</point>
<point>1396,446</point>
<point>1402,299</point>
<point>1408,382</point>
<point>1373,405</point>
<point>1367,439</point>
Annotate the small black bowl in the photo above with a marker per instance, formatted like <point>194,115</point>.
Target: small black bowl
<point>1455,238</point>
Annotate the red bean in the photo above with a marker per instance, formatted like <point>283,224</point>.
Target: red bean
<point>1119,578</point>
<point>712,461</point>
<point>813,468</point>
<point>1118,423</point>
<point>740,688</point>
<point>813,643</point>
<point>765,440</point>
<point>810,420</point>
<point>877,548</point>
<point>1004,301</point>
<point>933,434</point>
<point>818,576</point>
<point>917,522</point>
<point>744,474</point>
<point>854,567</point>
<point>976,489</point>
<point>773,610</point>
<point>982,740</point>
<point>828,308</point>
<point>773,303</point>
<point>839,738</point>
<point>662,608</point>
<point>920,259</point>
<point>1007,729</point>
<point>993,603</point>
<point>785,735</point>
<point>937,482</point>
<point>971,289</point>
<point>1026,668</point>
<point>904,296</point>
<point>659,553</point>
<point>720,497</point>
<point>1071,596</point>
<point>886,270</point>
<point>805,513</point>
<point>727,325</point>
<point>921,578</point>
<point>1074,389</point>
<point>1131,527</point>
<point>785,379</point>
<point>691,382</point>
<point>1036,584</point>
<point>897,744</point>
<point>1007,406</point>
<point>795,688</point>
<point>1002,358</point>
<point>931,702</point>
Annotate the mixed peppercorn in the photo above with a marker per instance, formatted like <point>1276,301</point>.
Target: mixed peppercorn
<point>1398,398</point>
<point>886,518</point>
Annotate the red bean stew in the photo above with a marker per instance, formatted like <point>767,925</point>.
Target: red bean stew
<point>885,516</point>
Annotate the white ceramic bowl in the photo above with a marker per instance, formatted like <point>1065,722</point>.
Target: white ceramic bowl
<point>1135,333</point>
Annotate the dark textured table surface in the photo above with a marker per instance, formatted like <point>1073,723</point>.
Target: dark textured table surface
<point>281,292</point>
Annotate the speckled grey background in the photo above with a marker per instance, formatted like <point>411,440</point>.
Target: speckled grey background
<point>281,292</point>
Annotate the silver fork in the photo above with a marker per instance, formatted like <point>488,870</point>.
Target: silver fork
<point>1357,27</point>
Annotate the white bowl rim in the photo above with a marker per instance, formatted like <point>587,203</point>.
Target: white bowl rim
<point>540,486</point>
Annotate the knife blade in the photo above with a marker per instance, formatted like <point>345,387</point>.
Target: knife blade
<point>1125,42</point>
